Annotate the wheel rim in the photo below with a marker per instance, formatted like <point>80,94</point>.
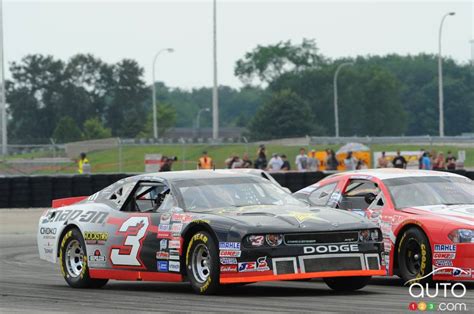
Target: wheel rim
<point>201,263</point>
<point>74,258</point>
<point>413,256</point>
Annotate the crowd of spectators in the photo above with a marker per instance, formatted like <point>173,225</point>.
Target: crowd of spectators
<point>426,160</point>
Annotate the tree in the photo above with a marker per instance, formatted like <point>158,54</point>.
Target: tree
<point>66,131</point>
<point>166,119</point>
<point>285,115</point>
<point>94,129</point>
<point>270,62</point>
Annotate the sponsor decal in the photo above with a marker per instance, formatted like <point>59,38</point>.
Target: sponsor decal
<point>165,218</point>
<point>228,268</point>
<point>176,228</point>
<point>445,248</point>
<point>48,230</point>
<point>163,244</point>
<point>163,234</point>
<point>228,260</point>
<point>443,262</point>
<point>80,215</point>
<point>442,271</point>
<point>97,260</point>
<point>232,253</point>
<point>95,237</point>
<point>302,216</point>
<point>162,255</point>
<point>322,249</point>
<point>260,265</point>
<point>48,250</point>
<point>174,266</point>
<point>181,217</point>
<point>162,266</point>
<point>174,255</point>
<point>229,245</point>
<point>163,227</point>
<point>462,272</point>
<point>174,244</point>
<point>444,255</point>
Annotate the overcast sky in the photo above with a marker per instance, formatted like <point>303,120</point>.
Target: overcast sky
<point>113,30</point>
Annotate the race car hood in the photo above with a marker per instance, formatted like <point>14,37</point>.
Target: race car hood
<point>453,213</point>
<point>267,218</point>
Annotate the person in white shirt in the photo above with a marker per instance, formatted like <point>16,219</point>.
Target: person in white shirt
<point>275,163</point>
<point>302,160</point>
<point>350,162</point>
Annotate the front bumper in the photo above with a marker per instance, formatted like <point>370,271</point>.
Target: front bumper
<point>303,262</point>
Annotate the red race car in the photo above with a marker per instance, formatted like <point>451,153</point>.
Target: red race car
<point>427,217</point>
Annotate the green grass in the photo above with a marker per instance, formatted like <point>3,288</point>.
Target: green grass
<point>133,156</point>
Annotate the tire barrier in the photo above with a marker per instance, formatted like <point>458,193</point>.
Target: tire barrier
<point>39,191</point>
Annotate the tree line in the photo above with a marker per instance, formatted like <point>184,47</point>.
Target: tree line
<point>288,92</point>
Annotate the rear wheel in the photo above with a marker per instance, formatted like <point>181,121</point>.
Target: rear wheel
<point>347,283</point>
<point>414,255</point>
<point>73,262</point>
<point>202,263</point>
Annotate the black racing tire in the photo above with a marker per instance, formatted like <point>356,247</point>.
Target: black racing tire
<point>347,283</point>
<point>202,263</point>
<point>414,256</point>
<point>73,262</point>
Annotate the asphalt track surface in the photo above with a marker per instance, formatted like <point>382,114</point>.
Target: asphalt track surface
<point>28,284</point>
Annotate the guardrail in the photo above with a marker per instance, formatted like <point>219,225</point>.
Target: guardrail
<point>422,140</point>
<point>39,191</point>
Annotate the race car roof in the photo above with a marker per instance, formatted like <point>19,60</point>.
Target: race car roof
<point>392,173</point>
<point>193,174</point>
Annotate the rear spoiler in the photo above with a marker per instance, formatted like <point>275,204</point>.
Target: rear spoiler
<point>60,202</point>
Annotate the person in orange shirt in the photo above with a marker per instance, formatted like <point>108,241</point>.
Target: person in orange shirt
<point>205,162</point>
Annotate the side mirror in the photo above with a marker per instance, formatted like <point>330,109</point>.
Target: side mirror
<point>369,198</point>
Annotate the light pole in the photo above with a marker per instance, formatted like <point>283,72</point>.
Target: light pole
<point>153,91</point>
<point>198,118</point>
<point>440,77</point>
<point>215,96</point>
<point>3,104</point>
<point>336,111</point>
<point>472,51</point>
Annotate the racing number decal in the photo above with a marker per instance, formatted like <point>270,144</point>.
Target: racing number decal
<point>127,255</point>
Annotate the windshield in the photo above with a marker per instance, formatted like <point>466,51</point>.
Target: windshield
<point>205,194</point>
<point>426,191</point>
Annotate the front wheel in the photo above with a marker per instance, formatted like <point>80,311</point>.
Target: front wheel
<point>347,283</point>
<point>73,262</point>
<point>202,263</point>
<point>414,256</point>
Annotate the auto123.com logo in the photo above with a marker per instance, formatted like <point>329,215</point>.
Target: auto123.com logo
<point>440,290</point>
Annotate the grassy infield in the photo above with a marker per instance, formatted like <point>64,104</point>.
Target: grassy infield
<point>133,156</point>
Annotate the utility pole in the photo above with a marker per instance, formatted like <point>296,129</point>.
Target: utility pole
<point>336,109</point>
<point>215,96</point>
<point>3,104</point>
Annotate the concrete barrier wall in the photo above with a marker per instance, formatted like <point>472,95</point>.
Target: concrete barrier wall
<point>39,191</point>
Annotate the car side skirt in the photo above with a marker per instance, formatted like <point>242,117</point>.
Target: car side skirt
<point>134,275</point>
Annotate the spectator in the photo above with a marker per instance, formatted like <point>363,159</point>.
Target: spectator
<point>229,162</point>
<point>420,158</point>
<point>350,162</point>
<point>237,162</point>
<point>83,165</point>
<point>313,162</point>
<point>246,162</point>
<point>261,161</point>
<point>382,162</point>
<point>399,161</point>
<point>286,164</point>
<point>426,161</point>
<point>302,160</point>
<point>439,163</point>
<point>205,162</point>
<point>450,161</point>
<point>361,165</point>
<point>167,163</point>
<point>275,163</point>
<point>331,161</point>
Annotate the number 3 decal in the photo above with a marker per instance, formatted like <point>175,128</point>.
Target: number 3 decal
<point>127,255</point>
